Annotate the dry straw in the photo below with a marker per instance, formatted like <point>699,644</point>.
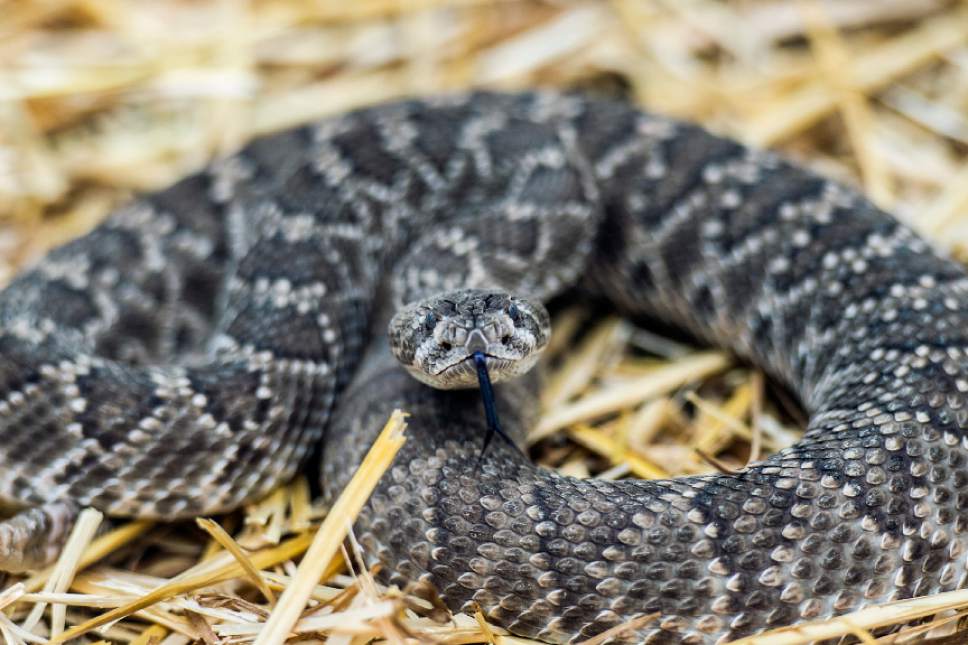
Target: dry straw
<point>101,98</point>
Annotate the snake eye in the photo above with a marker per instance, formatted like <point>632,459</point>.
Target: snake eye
<point>430,321</point>
<point>513,312</point>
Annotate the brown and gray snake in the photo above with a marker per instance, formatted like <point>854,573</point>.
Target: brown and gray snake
<point>191,352</point>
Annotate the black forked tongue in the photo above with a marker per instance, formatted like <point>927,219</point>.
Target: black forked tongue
<point>490,409</point>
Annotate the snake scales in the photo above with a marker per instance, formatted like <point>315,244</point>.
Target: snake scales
<point>188,354</point>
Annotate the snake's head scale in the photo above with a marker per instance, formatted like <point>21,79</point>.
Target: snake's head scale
<point>436,338</point>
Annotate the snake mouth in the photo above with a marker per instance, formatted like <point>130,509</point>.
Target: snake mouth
<point>467,363</point>
<point>464,373</point>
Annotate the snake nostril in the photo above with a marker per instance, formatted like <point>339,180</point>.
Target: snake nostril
<point>446,346</point>
<point>506,340</point>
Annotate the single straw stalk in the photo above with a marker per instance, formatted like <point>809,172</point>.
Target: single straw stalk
<point>330,535</point>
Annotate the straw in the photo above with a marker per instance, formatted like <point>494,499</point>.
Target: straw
<point>102,98</point>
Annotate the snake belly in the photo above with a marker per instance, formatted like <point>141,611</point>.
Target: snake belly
<point>187,355</point>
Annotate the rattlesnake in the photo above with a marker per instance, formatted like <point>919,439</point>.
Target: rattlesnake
<point>189,353</point>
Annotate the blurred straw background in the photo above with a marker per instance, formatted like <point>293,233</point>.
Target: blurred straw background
<point>100,98</point>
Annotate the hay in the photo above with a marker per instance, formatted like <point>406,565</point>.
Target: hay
<point>100,98</point>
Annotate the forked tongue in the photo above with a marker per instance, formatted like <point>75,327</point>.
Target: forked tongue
<point>490,408</point>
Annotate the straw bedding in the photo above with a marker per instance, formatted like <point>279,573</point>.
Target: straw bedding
<point>104,98</point>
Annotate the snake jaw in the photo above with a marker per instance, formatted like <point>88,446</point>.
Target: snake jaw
<point>463,372</point>
<point>499,367</point>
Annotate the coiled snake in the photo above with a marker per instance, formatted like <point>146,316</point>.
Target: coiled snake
<point>189,353</point>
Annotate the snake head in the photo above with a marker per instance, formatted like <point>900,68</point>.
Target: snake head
<point>436,338</point>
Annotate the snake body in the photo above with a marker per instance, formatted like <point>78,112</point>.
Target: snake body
<point>187,354</point>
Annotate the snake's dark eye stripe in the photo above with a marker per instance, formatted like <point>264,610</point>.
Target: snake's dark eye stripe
<point>430,321</point>
<point>513,312</point>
